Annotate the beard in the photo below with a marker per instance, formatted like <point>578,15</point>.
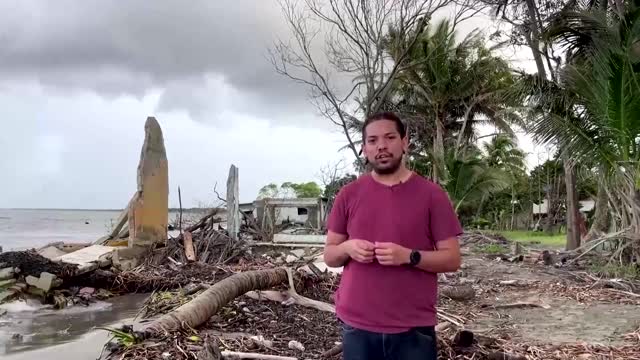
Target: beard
<point>390,167</point>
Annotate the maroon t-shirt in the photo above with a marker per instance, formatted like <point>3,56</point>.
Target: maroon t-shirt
<point>415,214</point>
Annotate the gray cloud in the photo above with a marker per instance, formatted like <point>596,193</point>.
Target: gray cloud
<point>115,48</point>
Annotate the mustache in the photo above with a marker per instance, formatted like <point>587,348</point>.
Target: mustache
<point>383,154</point>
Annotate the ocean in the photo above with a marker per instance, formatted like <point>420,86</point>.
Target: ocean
<point>22,229</point>
<point>32,228</point>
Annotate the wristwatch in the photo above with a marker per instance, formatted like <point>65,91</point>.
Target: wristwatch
<point>414,258</point>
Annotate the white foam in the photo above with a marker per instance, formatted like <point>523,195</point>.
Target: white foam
<point>23,306</point>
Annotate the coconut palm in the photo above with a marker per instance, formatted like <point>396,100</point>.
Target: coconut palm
<point>600,123</point>
<point>449,89</point>
<point>469,178</point>
<point>503,152</point>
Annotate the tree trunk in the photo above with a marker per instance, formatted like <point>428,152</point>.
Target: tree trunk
<point>205,305</point>
<point>533,38</point>
<point>573,232</point>
<point>601,217</point>
<point>438,152</point>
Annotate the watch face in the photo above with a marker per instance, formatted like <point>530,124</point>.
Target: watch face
<point>415,257</point>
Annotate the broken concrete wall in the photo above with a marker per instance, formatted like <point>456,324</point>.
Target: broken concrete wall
<point>149,211</point>
<point>233,203</point>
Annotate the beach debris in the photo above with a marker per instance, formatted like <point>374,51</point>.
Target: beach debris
<point>295,345</point>
<point>7,273</point>
<point>189,251</point>
<point>458,292</point>
<point>31,263</point>
<point>89,258</point>
<point>7,283</point>
<point>260,341</point>
<point>206,304</point>
<point>46,281</point>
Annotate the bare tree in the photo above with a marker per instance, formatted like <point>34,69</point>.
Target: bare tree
<point>355,49</point>
<point>331,172</point>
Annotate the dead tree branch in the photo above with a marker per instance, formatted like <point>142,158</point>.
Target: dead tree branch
<point>350,74</point>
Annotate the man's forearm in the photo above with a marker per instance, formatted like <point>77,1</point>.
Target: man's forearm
<point>335,255</point>
<point>439,261</point>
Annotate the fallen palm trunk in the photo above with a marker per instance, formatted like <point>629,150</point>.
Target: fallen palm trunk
<point>291,297</point>
<point>205,305</point>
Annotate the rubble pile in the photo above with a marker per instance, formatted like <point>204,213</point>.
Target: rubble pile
<point>205,242</point>
<point>25,273</point>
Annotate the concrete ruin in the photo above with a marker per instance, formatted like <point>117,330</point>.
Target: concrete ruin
<point>308,212</point>
<point>149,210</point>
<point>233,203</point>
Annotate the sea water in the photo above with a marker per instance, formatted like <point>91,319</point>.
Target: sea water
<point>25,228</point>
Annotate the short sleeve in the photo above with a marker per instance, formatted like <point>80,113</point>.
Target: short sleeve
<point>444,222</point>
<point>337,220</point>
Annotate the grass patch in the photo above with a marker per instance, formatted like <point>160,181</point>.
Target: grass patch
<point>616,270</point>
<point>536,238</point>
<point>492,249</point>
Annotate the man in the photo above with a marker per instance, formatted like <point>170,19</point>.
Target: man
<point>393,231</point>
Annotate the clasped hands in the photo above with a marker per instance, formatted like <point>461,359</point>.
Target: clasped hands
<point>386,253</point>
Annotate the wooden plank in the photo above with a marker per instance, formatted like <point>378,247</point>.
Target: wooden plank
<point>188,246</point>
<point>124,217</point>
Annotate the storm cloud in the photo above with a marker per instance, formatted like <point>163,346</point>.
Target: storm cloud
<point>202,48</point>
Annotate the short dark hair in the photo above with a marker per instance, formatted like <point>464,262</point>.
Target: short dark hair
<point>386,115</point>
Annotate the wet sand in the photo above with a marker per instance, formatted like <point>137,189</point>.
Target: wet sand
<point>62,334</point>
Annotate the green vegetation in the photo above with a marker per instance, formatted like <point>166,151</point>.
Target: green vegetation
<point>289,189</point>
<point>535,238</point>
<point>582,104</point>
<point>492,249</point>
<point>616,270</point>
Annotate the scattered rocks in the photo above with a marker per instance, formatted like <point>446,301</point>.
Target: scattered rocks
<point>7,273</point>
<point>7,283</point>
<point>45,282</point>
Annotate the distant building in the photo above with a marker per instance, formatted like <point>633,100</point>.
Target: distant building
<point>541,209</point>
<point>308,212</point>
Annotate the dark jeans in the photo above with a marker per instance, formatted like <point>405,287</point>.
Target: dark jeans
<point>416,344</point>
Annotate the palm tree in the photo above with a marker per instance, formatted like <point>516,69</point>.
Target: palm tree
<point>469,178</point>
<point>503,153</point>
<point>450,88</point>
<point>600,125</point>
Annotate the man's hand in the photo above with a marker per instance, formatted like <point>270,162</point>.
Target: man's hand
<point>392,254</point>
<point>360,250</point>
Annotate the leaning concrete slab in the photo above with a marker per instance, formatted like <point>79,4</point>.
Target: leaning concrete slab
<point>149,211</point>
<point>51,252</point>
<point>89,258</point>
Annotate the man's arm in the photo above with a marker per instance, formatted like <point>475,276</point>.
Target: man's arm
<point>445,259</point>
<point>335,254</point>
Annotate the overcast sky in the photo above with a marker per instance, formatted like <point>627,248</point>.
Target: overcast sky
<point>78,79</point>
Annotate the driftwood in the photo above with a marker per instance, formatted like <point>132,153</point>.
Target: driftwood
<point>517,305</point>
<point>189,252</point>
<point>459,292</point>
<point>291,297</point>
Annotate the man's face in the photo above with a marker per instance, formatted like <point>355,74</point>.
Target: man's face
<point>383,146</point>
